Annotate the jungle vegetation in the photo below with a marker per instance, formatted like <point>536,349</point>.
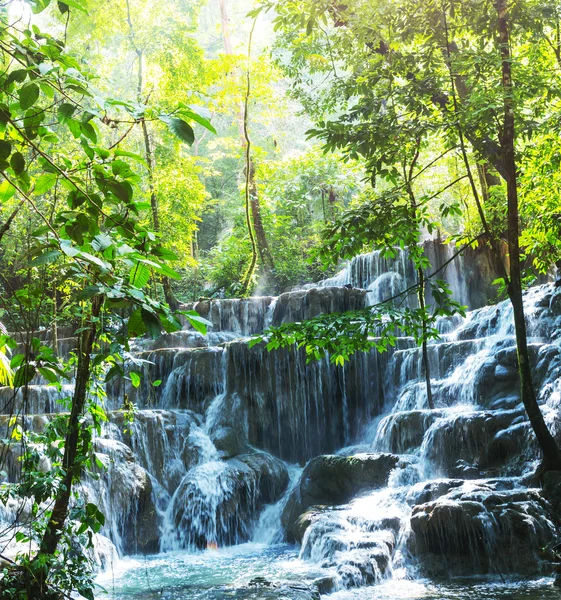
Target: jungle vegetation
<point>148,159</point>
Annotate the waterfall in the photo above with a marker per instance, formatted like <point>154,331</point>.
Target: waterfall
<point>247,449</point>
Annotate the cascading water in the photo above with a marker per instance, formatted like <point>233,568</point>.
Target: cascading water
<point>389,489</point>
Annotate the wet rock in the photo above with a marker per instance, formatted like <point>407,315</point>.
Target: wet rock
<point>124,496</point>
<point>331,480</point>
<point>176,369</point>
<point>228,441</point>
<point>503,373</point>
<point>218,501</point>
<point>555,302</point>
<point>404,431</point>
<point>180,339</point>
<point>478,438</point>
<point>164,442</point>
<point>266,590</point>
<point>478,529</point>
<point>326,585</point>
<point>307,304</point>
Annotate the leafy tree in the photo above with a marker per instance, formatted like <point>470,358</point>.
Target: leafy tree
<point>471,78</point>
<point>90,232</point>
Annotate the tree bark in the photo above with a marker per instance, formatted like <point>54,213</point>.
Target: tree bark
<point>149,156</point>
<point>550,450</point>
<point>260,246</point>
<point>261,237</point>
<point>59,514</point>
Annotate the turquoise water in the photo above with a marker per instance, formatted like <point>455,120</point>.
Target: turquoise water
<point>226,573</point>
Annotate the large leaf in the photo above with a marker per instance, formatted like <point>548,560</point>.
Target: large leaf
<point>45,258</point>
<point>7,190</point>
<point>5,150</point>
<point>17,162</point>
<point>197,322</point>
<point>28,95</point>
<point>136,324</point>
<point>139,275</point>
<point>38,6</point>
<point>44,183</point>
<point>65,112</point>
<point>180,128</point>
<point>153,325</point>
<point>187,112</point>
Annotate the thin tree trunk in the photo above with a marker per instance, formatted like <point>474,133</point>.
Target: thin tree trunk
<point>59,513</point>
<point>149,156</point>
<point>408,175</point>
<point>550,450</point>
<point>258,237</point>
<point>425,351</point>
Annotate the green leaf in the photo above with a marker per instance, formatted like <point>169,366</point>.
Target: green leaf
<point>114,371</point>
<point>190,114</point>
<point>135,379</point>
<point>7,190</point>
<point>45,258</point>
<point>157,383</point>
<point>153,325</point>
<point>101,241</point>
<point>136,325</point>
<point>24,375</point>
<point>5,150</point>
<point>17,162</point>
<point>18,75</point>
<point>28,95</point>
<point>48,374</point>
<point>75,4</point>
<point>44,183</point>
<point>132,155</point>
<point>139,275</point>
<point>180,129</point>
<point>75,127</point>
<point>38,6</point>
<point>65,111</point>
<point>120,190</point>
<point>197,322</point>
<point>17,360</point>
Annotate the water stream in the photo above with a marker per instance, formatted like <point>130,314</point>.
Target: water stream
<point>255,475</point>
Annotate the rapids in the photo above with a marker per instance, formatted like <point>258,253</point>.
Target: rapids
<point>252,474</point>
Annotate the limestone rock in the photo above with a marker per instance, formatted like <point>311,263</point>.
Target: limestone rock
<point>478,529</point>
<point>332,480</point>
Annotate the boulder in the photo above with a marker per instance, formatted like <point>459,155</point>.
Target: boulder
<point>332,480</point>
<point>555,302</point>
<point>217,502</point>
<point>228,442</point>
<point>124,496</point>
<point>478,528</point>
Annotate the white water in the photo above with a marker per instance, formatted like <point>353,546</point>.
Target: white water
<point>193,487</point>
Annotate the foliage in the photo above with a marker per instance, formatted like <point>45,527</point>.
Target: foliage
<point>88,243</point>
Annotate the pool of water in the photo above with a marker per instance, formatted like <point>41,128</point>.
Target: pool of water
<point>233,572</point>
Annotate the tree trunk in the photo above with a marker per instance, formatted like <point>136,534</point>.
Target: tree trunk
<point>262,244</point>
<point>256,230</point>
<point>59,513</point>
<point>408,175</point>
<point>550,450</point>
<point>149,156</point>
<point>426,363</point>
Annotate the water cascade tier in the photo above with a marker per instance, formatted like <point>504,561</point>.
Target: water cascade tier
<point>254,474</point>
